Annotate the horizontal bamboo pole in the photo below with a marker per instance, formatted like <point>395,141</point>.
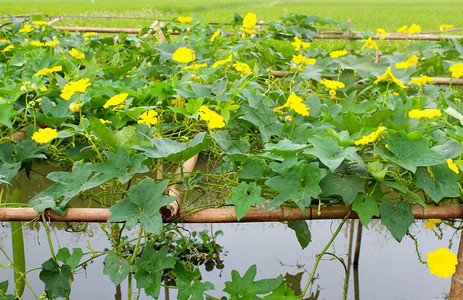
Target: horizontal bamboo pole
<point>97,29</point>
<point>227,214</point>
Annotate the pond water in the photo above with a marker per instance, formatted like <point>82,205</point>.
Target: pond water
<point>387,269</point>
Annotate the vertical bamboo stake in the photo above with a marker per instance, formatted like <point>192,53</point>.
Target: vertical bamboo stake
<point>456,288</point>
<point>357,244</point>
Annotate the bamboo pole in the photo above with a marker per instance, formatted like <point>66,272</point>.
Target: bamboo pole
<point>227,214</point>
<point>55,20</point>
<point>456,287</point>
<point>97,29</point>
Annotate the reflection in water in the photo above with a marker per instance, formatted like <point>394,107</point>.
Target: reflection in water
<point>387,269</point>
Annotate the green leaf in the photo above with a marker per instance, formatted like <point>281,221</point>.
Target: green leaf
<point>264,118</point>
<point>229,146</point>
<point>29,149</point>
<point>188,283</point>
<point>444,183</point>
<point>127,137</point>
<point>119,165</point>
<point>408,153</point>
<point>174,151</point>
<point>347,186</point>
<point>142,205</point>
<point>191,108</point>
<point>149,268</point>
<point>9,171</point>
<point>327,150</point>
<point>7,113</point>
<point>284,148</point>
<point>116,268</point>
<point>3,291</point>
<point>302,231</point>
<point>246,288</point>
<point>244,196</point>
<point>283,292</point>
<point>104,134</point>
<point>57,279</point>
<point>72,260</point>
<point>256,168</point>
<point>366,207</point>
<point>397,218</point>
<point>68,185</point>
<point>298,184</point>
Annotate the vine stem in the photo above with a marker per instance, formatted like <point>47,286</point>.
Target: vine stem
<point>320,255</point>
<point>47,230</point>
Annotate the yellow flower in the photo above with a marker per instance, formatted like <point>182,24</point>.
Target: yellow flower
<point>298,44</point>
<point>302,59</point>
<point>104,121</point>
<point>213,119</point>
<point>414,29</point>
<point>425,113</point>
<point>452,166</point>
<point>184,19</point>
<point>421,81</point>
<point>88,34</point>
<point>47,71</point>
<point>431,223</point>
<point>248,31</point>
<point>116,100</point>
<point>43,89</point>
<point>442,262</point>
<point>184,55</point>
<point>178,102</point>
<point>295,103</point>
<point>372,137</point>
<point>402,65</point>
<point>402,29</point>
<point>445,27</point>
<point>37,43</point>
<point>39,23</point>
<point>242,67</point>
<point>26,29</point>
<point>196,67</point>
<point>76,54</point>
<point>74,87</point>
<point>53,43</point>
<point>370,44</point>
<point>44,135</point>
<point>216,34</point>
<point>3,40</point>
<point>149,117</point>
<point>381,33</point>
<point>250,20</point>
<point>457,70</point>
<point>75,106</point>
<point>412,60</point>
<point>389,77</point>
<point>7,48</point>
<point>222,62</point>
<point>332,84</point>
<point>338,53</point>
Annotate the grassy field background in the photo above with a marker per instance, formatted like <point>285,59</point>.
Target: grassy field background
<point>365,14</point>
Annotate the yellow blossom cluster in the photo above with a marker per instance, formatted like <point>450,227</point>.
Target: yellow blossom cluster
<point>249,22</point>
<point>442,262</point>
<point>370,44</point>
<point>332,84</point>
<point>196,67</point>
<point>116,100</point>
<point>421,81</point>
<point>184,19</point>
<point>445,27</point>
<point>7,48</point>
<point>431,223</point>
<point>411,30</point>
<point>242,67</point>
<point>371,138</point>
<point>381,33</point>
<point>48,71</point>
<point>184,55</point>
<point>295,103</point>
<point>39,23</point>
<point>73,87</point>
<point>428,113</point>
<point>388,76</point>
<point>338,53</point>
<point>26,29</point>
<point>213,119</point>
<point>149,117</point>
<point>222,62</point>
<point>44,135</point>
<point>411,61</point>
<point>298,44</point>
<point>76,54</point>
<point>53,43</point>
<point>215,35</point>
<point>457,70</point>
<point>302,59</point>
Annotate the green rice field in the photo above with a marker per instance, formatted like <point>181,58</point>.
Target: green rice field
<point>364,14</point>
